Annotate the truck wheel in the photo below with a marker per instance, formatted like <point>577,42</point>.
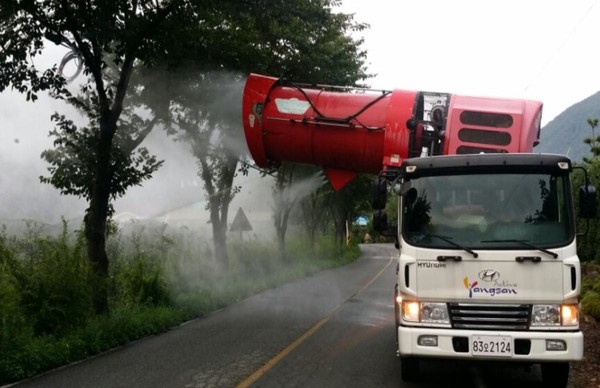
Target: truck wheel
<point>409,369</point>
<point>555,374</point>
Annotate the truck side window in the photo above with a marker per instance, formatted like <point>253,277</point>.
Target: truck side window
<point>419,208</point>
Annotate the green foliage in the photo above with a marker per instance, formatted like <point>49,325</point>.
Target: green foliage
<point>74,157</point>
<point>305,41</point>
<point>587,244</point>
<point>13,321</point>
<point>593,141</point>
<point>138,272</point>
<point>590,289</point>
<point>590,285</point>
<point>141,282</point>
<point>158,279</point>
<point>54,283</point>
<point>590,304</point>
<point>344,205</point>
<point>36,354</point>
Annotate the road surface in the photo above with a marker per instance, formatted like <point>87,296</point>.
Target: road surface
<point>333,329</point>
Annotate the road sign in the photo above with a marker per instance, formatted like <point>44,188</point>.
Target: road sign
<point>240,222</point>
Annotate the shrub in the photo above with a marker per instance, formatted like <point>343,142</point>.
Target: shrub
<point>590,304</point>
<point>55,283</point>
<point>44,352</point>
<point>141,282</point>
<point>13,322</point>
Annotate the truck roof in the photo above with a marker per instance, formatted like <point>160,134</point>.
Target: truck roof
<point>474,163</point>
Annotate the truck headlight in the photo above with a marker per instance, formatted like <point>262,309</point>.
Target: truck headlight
<point>425,312</point>
<point>554,315</point>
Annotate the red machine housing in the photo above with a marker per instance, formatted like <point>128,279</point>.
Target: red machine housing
<point>350,130</point>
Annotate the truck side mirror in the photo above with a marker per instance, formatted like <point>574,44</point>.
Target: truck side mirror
<point>411,196</point>
<point>587,202</point>
<point>379,199</point>
<point>380,221</point>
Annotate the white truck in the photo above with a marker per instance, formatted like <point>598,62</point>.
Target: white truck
<point>488,268</point>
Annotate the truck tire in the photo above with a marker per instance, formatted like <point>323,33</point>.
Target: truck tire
<point>409,369</point>
<point>555,374</point>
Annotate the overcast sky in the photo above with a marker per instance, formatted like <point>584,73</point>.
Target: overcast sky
<point>546,50</point>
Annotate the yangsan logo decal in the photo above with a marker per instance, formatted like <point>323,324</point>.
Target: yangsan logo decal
<point>469,286</point>
<point>496,288</point>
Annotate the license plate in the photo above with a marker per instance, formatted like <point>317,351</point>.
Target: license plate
<point>484,345</point>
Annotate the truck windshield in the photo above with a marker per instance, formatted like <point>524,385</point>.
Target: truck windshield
<point>488,211</point>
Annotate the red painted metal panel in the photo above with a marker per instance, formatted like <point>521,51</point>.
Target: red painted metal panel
<point>349,130</point>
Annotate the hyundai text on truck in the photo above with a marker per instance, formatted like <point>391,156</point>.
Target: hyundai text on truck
<point>487,267</point>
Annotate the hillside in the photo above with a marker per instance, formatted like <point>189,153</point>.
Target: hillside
<point>565,134</point>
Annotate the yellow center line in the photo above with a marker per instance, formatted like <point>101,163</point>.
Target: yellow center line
<point>281,355</point>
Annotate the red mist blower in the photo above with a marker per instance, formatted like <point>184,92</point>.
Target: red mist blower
<point>350,130</point>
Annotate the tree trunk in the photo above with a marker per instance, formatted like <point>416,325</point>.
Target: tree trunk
<point>340,231</point>
<point>219,228</point>
<point>284,203</point>
<point>311,218</point>
<point>95,219</point>
<point>340,216</point>
<point>220,193</point>
<point>281,228</point>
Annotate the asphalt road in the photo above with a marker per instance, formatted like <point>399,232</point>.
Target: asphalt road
<point>334,329</point>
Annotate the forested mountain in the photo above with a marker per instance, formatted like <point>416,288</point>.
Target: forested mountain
<point>565,134</point>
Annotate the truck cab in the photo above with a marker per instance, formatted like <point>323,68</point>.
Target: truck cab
<point>488,268</point>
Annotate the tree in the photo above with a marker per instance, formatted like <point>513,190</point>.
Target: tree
<point>204,110</point>
<point>312,208</point>
<point>109,38</point>
<point>292,183</point>
<point>346,204</point>
<point>114,39</point>
<point>587,246</point>
<point>72,163</point>
<point>593,142</point>
<point>297,39</point>
<point>304,41</point>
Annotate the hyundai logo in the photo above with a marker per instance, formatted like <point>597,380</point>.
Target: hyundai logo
<point>489,275</point>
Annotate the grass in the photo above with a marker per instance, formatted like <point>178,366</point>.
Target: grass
<point>159,279</point>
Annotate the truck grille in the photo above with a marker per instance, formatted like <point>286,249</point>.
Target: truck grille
<point>490,316</point>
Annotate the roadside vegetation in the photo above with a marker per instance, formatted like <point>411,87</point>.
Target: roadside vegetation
<point>587,245</point>
<point>590,301</point>
<point>159,279</point>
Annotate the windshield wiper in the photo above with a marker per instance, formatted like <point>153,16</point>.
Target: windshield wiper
<point>525,243</point>
<point>449,241</point>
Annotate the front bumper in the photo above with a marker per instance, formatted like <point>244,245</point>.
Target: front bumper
<point>529,346</point>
